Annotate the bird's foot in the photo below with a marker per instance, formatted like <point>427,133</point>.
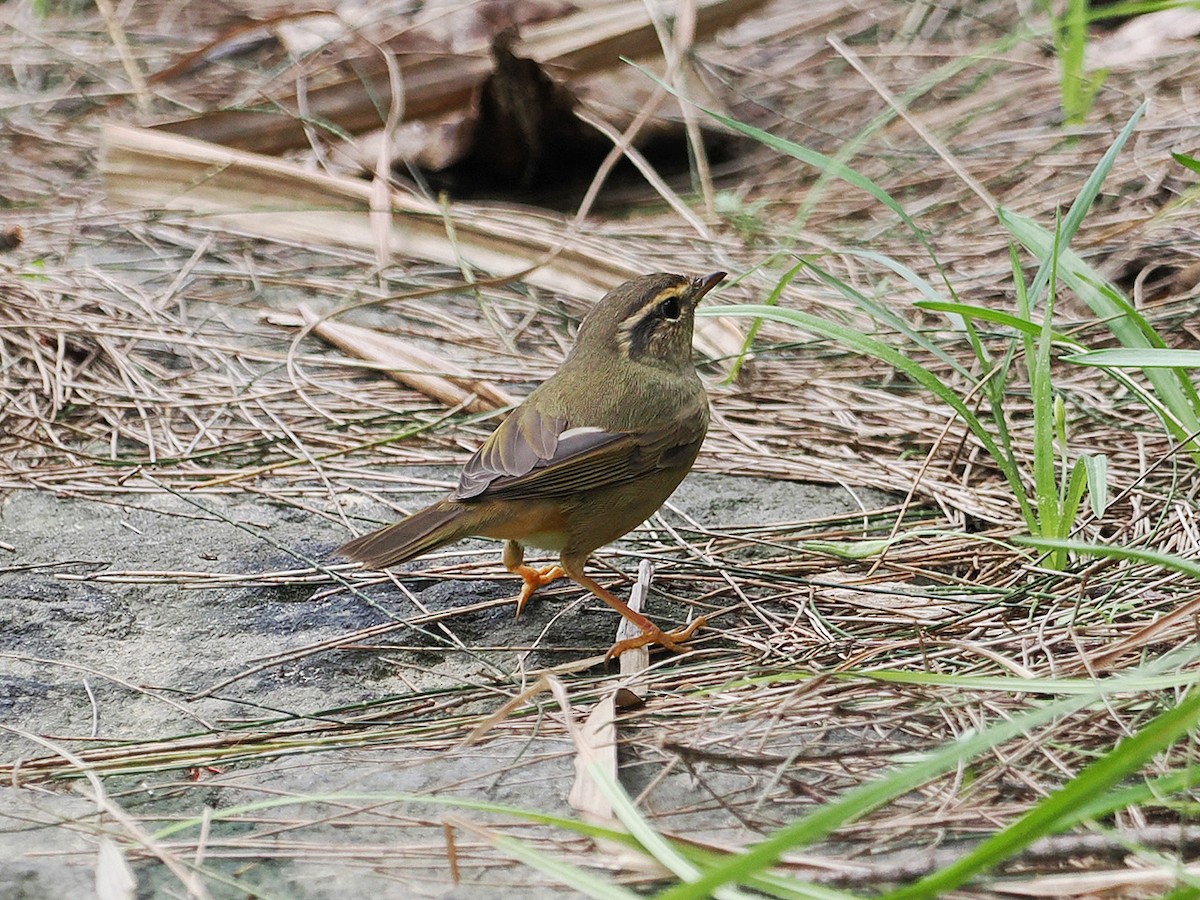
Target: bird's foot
<point>534,578</point>
<point>672,640</point>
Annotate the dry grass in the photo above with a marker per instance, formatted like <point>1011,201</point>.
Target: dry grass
<point>139,355</point>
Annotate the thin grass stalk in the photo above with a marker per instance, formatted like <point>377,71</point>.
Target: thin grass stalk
<point>1050,815</point>
<point>886,353</point>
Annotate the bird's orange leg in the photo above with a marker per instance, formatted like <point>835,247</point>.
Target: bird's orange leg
<point>534,578</point>
<point>651,633</point>
<point>672,640</point>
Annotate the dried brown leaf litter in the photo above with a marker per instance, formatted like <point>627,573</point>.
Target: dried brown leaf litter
<point>152,340</point>
<point>442,68</point>
<point>261,196</point>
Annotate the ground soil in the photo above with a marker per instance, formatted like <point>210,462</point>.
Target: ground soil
<point>87,661</point>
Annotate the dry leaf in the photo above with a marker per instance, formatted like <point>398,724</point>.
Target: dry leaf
<point>1113,883</point>
<point>897,598</point>
<point>634,662</point>
<point>595,743</point>
<point>411,365</point>
<point>114,877</point>
<point>436,82</point>
<point>1146,38</point>
<point>259,195</point>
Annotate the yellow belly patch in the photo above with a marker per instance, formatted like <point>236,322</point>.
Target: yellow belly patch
<point>534,524</point>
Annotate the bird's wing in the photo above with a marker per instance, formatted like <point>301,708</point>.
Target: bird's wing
<point>536,456</point>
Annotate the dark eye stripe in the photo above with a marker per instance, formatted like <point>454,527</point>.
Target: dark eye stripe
<point>639,336</point>
<point>638,326</point>
<point>648,319</point>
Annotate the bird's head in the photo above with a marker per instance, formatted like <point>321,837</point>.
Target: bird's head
<point>647,320</point>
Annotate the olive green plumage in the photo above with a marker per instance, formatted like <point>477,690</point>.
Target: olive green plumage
<point>591,453</point>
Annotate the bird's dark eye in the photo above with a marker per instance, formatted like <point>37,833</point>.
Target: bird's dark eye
<point>669,309</point>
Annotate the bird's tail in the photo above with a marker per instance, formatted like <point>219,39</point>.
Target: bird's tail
<point>423,531</point>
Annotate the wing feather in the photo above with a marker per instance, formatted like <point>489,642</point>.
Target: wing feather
<point>536,456</point>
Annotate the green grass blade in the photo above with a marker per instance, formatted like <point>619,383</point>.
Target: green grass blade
<point>871,795</point>
<point>1134,554</point>
<point>1186,161</point>
<point>998,396</point>
<point>1132,684</point>
<point>643,832</point>
<point>825,164</point>
<point>1150,790</point>
<point>1123,9</point>
<point>1175,395</point>
<point>560,870</point>
<point>921,284</point>
<point>819,161</point>
<point>858,802</point>
<point>1076,485</point>
<point>1083,202</point>
<point>848,149</point>
<point>1056,811</point>
<point>1131,312</point>
<point>993,388</point>
<point>852,549</point>
<point>790,889</point>
<point>1097,479</point>
<point>1045,478</point>
<point>1024,304</point>
<point>1017,685</point>
<point>646,835</point>
<point>586,829</point>
<point>999,317</point>
<point>752,331</point>
<point>1072,45</point>
<point>886,353</point>
<point>881,312</point>
<point>768,883</point>
<point>1150,358</point>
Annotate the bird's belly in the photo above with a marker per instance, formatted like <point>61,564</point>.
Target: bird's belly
<point>545,540</point>
<point>600,517</point>
<point>533,524</point>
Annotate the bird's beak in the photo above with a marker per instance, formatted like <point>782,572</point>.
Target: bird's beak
<point>702,284</point>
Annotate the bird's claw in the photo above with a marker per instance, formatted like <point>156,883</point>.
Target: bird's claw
<point>672,640</point>
<point>534,578</point>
